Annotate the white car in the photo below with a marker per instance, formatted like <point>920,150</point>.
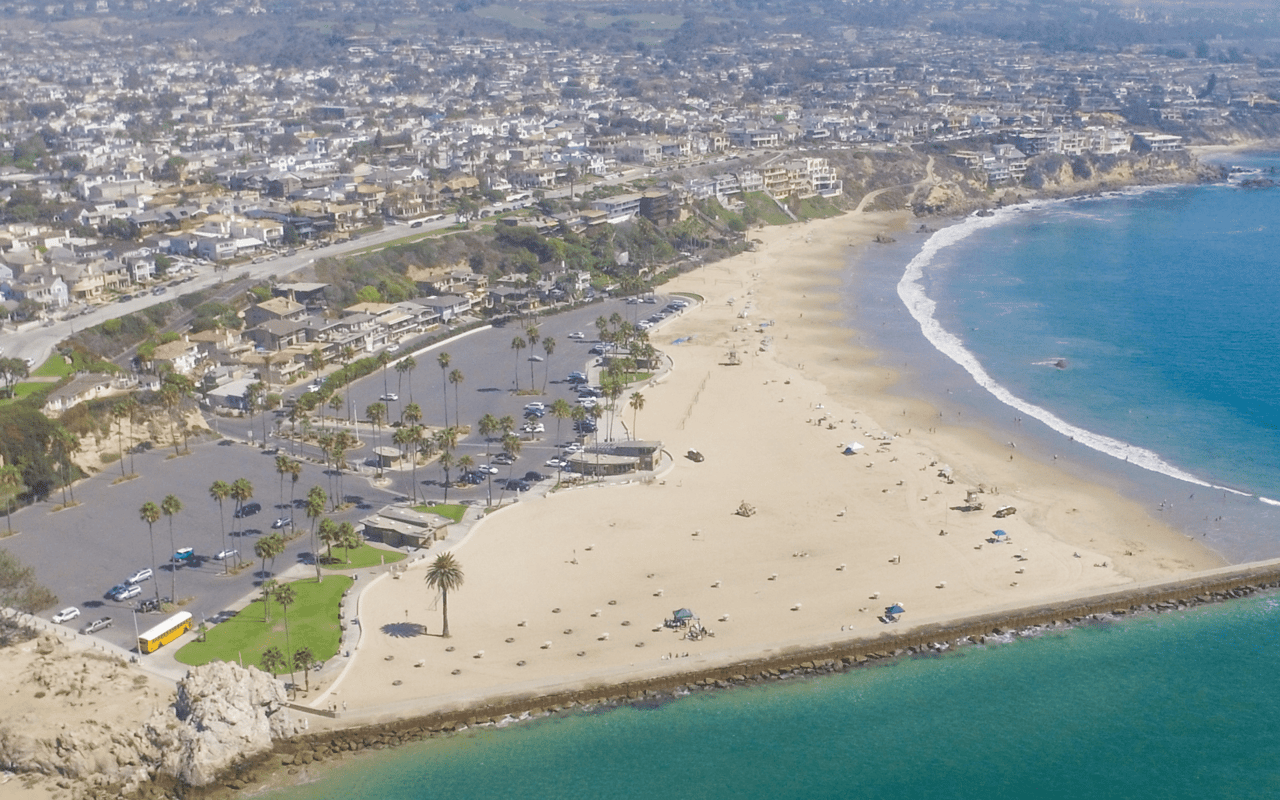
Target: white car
<point>578,335</point>
<point>533,427</point>
<point>128,592</point>
<point>536,358</point>
<point>535,406</point>
<point>141,575</point>
<point>555,463</point>
<point>587,402</point>
<point>487,469</point>
<point>223,555</point>
<point>67,614</point>
<point>572,449</point>
<point>389,397</point>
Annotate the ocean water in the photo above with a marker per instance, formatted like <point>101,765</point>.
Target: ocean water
<point>1141,325</point>
<point>1172,706</point>
<point>1160,306</point>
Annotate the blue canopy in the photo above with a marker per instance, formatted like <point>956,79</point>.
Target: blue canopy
<point>895,609</point>
<point>684,613</point>
<point>999,533</point>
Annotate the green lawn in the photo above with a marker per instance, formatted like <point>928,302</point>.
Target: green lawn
<point>817,208</point>
<point>362,556</point>
<point>449,512</point>
<point>766,209</point>
<point>313,623</point>
<point>53,367</point>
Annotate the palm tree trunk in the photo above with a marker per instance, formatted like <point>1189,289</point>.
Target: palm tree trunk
<point>444,595</point>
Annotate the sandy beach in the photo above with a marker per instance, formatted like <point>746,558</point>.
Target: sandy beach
<point>567,590</point>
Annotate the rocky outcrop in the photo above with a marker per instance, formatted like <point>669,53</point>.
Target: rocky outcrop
<point>106,727</point>
<point>223,713</point>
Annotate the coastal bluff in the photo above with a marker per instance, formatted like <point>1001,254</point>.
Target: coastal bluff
<point>96,726</point>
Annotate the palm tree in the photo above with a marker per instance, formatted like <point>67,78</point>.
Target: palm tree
<point>303,659</point>
<point>241,492</point>
<point>531,334</point>
<point>549,347</point>
<point>341,443</point>
<point>377,414</point>
<point>348,356</point>
<point>511,446</point>
<point>328,533</point>
<point>445,575</point>
<point>446,461</point>
<point>406,364</point>
<point>561,410</point>
<point>170,399</point>
<point>456,377</point>
<point>273,661</point>
<point>221,490</point>
<point>262,549</point>
<point>443,361</point>
<point>65,443</point>
<point>402,438</point>
<point>295,473</point>
<point>11,485</point>
<point>120,411</point>
<point>412,414</point>
<point>268,584</point>
<point>384,358</point>
<point>283,467</point>
<point>466,464</point>
<point>637,404</point>
<point>488,426</point>
<point>348,539</point>
<point>150,513</point>
<point>335,405</point>
<point>316,500</point>
<point>252,396</point>
<point>170,506</point>
<point>286,596</point>
<point>518,344</point>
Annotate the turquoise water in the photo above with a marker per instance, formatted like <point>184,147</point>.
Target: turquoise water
<point>1162,305</point>
<point>1170,706</point>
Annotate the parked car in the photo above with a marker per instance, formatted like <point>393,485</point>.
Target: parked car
<point>536,357</point>
<point>184,555</point>
<point>504,459</point>
<point>584,426</point>
<point>282,522</point>
<point>100,624</point>
<point>248,509</point>
<point>555,463</point>
<point>389,397</point>
<point>517,485</point>
<point>487,469</point>
<point>66,615</point>
<point>533,476</point>
<point>127,592</point>
<point>533,427</point>
<point>535,406</point>
<point>223,555</point>
<point>577,377</point>
<point>141,575</point>
<point>115,590</point>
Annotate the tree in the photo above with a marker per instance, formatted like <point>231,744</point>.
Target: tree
<point>377,414</point>
<point>384,358</point>
<point>304,660</point>
<point>283,467</point>
<point>445,575</point>
<point>443,361</point>
<point>170,506</point>
<point>65,443</point>
<point>286,596</point>
<point>488,426</point>
<point>11,485</point>
<point>561,410</point>
<point>518,344</point>
<point>456,377</point>
<point>348,539</point>
<point>150,513</point>
<point>220,490</point>
<point>532,335</point>
<point>402,438</point>
<point>295,473</point>
<point>328,533</point>
<point>511,445</point>
<point>120,411</point>
<point>18,587</point>
<point>446,462</point>
<point>335,405</point>
<point>262,549</point>
<point>273,661</point>
<point>241,492</point>
<point>316,500</point>
<point>637,404</point>
<point>348,357</point>
<point>549,347</point>
<point>406,364</point>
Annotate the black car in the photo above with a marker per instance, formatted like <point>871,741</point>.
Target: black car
<point>584,426</point>
<point>533,476</point>
<point>249,509</point>
<point>517,485</point>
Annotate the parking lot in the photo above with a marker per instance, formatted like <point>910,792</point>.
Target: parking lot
<point>82,552</point>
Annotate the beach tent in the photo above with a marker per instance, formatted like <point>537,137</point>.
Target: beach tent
<point>894,610</point>
<point>998,534</point>
<point>683,615</point>
<point>853,448</point>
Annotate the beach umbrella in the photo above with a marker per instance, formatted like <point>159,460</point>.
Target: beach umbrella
<point>683,613</point>
<point>895,609</point>
<point>998,534</point>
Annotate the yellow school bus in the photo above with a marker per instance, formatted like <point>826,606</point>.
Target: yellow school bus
<point>153,639</point>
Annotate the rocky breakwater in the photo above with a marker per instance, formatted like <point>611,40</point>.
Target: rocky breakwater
<point>97,726</point>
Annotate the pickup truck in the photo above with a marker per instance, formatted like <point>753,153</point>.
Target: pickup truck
<point>97,625</point>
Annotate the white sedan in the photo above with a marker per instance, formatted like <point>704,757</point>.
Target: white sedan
<point>487,469</point>
<point>389,397</point>
<point>534,427</point>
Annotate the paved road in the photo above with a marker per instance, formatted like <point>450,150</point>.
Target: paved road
<point>38,343</point>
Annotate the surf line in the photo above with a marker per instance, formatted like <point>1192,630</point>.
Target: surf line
<point>922,309</point>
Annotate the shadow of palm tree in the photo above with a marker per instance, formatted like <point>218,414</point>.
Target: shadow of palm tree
<point>403,630</point>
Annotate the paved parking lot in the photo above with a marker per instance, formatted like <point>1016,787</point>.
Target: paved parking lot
<point>83,551</point>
